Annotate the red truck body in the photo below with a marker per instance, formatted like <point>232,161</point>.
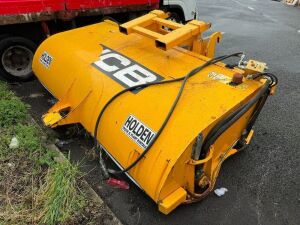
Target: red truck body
<point>26,23</point>
<point>14,7</point>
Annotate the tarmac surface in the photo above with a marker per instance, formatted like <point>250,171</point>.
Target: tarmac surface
<point>263,181</point>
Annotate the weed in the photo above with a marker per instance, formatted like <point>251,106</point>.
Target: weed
<point>12,112</point>
<point>4,92</point>
<point>34,189</point>
<point>28,137</point>
<point>60,196</point>
<point>4,142</point>
<point>47,158</point>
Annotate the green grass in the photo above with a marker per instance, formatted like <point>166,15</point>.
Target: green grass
<point>60,194</point>
<point>12,112</point>
<point>4,92</point>
<point>28,137</point>
<point>12,109</point>
<point>34,189</point>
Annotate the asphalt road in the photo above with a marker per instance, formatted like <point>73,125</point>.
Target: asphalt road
<point>263,182</point>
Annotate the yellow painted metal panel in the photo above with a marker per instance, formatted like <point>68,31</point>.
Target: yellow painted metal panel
<point>70,65</point>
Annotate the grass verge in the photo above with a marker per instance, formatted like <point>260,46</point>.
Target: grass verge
<point>34,189</point>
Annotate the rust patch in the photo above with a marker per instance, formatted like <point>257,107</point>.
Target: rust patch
<point>67,15</point>
<point>25,18</point>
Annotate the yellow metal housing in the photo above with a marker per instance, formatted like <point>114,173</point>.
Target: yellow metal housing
<point>83,68</point>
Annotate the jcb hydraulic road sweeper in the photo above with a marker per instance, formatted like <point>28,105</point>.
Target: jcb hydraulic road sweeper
<point>155,100</point>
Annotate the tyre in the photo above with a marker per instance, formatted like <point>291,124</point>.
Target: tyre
<point>2,36</point>
<point>16,55</point>
<point>176,16</point>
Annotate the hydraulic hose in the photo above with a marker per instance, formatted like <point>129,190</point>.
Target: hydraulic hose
<point>223,125</point>
<point>183,79</point>
<point>271,76</point>
<point>261,103</point>
<point>257,111</point>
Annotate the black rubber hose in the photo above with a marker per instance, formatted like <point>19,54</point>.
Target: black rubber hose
<point>256,113</point>
<point>261,103</point>
<point>232,118</point>
<point>273,78</point>
<point>184,80</point>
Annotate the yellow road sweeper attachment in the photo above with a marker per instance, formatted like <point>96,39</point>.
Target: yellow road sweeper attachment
<point>155,99</point>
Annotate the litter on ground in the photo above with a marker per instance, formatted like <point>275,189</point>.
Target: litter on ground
<point>220,191</point>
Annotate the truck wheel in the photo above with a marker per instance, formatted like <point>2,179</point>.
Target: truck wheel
<point>16,54</point>
<point>2,36</point>
<point>176,16</point>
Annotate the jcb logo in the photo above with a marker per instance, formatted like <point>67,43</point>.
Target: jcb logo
<point>125,71</point>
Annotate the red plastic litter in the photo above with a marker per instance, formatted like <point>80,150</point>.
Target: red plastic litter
<point>117,183</point>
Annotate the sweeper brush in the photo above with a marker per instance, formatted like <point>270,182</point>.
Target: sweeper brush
<point>155,99</point>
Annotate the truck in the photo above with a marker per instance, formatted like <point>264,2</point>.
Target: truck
<point>24,24</point>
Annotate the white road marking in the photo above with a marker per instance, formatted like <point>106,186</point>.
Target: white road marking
<point>237,2</point>
<point>241,4</point>
<point>298,31</point>
<point>253,9</point>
